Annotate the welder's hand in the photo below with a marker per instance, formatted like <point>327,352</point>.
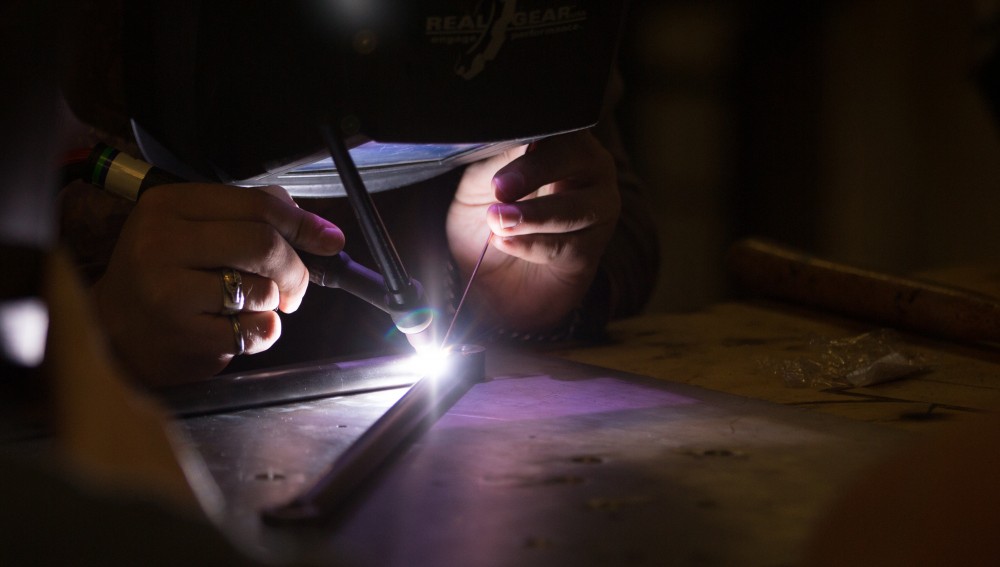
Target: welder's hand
<point>552,210</point>
<point>161,297</point>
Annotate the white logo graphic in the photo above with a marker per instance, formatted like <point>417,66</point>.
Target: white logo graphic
<point>492,24</point>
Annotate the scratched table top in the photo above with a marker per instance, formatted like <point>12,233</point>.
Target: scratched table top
<point>678,442</point>
<point>741,348</point>
<point>548,462</point>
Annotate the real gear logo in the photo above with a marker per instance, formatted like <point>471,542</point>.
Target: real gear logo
<point>495,22</point>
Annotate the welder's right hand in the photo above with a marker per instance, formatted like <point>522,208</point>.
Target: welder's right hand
<point>162,297</point>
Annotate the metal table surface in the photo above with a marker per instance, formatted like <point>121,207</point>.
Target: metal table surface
<point>546,462</point>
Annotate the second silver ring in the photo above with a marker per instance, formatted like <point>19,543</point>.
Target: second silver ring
<point>232,291</point>
<point>238,335</point>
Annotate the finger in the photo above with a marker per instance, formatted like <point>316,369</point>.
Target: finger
<point>475,188</point>
<point>279,192</point>
<point>567,161</point>
<point>218,336</point>
<point>260,293</point>
<point>212,202</point>
<point>260,330</point>
<point>203,292</point>
<point>193,293</point>
<point>251,248</point>
<point>569,251</point>
<point>211,341</point>
<point>555,214</point>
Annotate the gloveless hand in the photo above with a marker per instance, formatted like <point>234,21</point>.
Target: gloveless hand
<point>553,210</point>
<point>161,298</point>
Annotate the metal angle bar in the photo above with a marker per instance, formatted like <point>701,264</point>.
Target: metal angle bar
<point>421,406</point>
<point>287,384</point>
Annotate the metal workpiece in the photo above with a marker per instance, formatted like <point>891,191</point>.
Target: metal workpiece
<point>288,384</point>
<point>421,406</point>
<point>545,462</point>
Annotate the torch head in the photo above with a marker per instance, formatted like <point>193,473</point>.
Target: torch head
<point>417,326</point>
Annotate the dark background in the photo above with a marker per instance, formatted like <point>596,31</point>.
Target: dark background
<point>851,129</point>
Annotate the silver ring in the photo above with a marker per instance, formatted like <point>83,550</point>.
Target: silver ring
<point>232,291</point>
<point>238,335</point>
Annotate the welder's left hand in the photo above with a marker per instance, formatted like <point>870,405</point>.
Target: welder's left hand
<point>552,210</point>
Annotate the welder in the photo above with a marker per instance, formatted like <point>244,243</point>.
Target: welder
<point>237,100</point>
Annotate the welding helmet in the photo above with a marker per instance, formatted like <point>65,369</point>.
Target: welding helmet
<point>233,91</point>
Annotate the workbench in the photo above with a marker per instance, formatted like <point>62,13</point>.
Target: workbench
<point>738,347</point>
<point>674,443</point>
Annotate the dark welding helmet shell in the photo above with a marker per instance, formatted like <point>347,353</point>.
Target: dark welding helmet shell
<point>228,91</point>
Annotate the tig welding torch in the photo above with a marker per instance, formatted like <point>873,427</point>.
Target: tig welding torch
<point>402,298</point>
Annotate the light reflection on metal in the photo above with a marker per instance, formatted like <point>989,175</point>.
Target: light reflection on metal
<point>382,166</point>
<point>420,407</point>
<point>297,382</point>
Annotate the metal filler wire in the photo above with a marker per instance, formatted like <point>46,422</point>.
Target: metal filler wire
<point>468,285</point>
<point>444,343</point>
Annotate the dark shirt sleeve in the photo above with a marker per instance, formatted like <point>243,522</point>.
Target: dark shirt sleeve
<point>629,266</point>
